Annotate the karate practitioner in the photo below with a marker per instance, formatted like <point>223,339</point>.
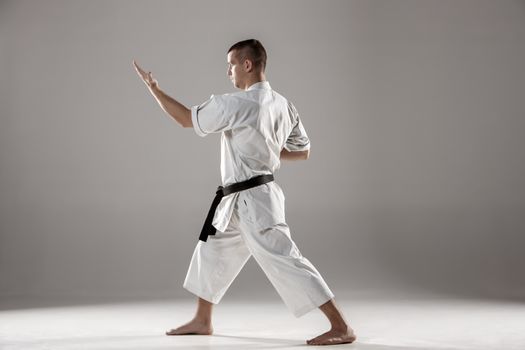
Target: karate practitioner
<point>259,127</point>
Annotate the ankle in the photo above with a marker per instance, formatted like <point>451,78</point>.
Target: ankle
<point>202,320</point>
<point>340,327</point>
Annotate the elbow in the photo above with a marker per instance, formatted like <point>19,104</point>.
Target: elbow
<point>307,154</point>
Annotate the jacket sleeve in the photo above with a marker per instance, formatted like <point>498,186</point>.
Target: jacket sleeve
<point>298,139</point>
<point>220,113</point>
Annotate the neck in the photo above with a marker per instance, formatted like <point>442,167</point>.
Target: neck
<point>252,80</point>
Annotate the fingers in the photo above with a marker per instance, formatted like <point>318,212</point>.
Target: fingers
<point>146,77</point>
<point>136,65</point>
<point>139,70</point>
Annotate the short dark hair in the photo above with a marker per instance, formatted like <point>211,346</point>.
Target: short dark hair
<point>253,50</point>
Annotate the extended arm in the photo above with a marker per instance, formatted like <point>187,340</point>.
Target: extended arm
<point>296,155</point>
<point>172,107</point>
<point>175,109</point>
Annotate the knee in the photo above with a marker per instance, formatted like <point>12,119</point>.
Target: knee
<point>275,241</point>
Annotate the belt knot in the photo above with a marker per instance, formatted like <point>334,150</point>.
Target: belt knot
<point>222,191</point>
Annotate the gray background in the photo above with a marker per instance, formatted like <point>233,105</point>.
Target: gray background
<point>415,110</point>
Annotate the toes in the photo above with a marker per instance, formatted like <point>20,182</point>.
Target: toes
<point>311,342</point>
<point>328,341</point>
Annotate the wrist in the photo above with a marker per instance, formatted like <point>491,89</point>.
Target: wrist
<point>156,91</point>
<point>154,88</point>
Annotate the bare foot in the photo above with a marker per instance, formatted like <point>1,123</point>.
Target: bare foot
<point>334,336</point>
<point>192,327</point>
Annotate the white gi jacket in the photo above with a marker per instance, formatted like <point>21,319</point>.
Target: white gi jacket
<point>255,125</point>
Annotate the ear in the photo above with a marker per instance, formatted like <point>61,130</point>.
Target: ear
<point>248,66</point>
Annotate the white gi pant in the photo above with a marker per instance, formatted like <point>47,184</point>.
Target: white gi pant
<point>217,262</point>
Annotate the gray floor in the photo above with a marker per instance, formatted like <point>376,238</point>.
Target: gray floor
<point>413,323</point>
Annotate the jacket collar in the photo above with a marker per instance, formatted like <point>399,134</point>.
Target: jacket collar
<point>260,85</point>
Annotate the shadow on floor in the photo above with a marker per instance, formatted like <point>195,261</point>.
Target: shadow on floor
<point>192,341</point>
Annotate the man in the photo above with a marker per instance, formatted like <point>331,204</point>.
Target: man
<point>258,127</point>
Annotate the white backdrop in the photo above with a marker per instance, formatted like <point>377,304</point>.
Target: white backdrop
<point>415,110</point>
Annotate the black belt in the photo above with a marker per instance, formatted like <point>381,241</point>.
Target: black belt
<point>208,228</point>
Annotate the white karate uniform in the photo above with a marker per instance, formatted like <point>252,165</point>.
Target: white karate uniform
<point>255,125</point>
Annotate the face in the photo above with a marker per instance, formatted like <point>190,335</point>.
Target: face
<point>236,73</point>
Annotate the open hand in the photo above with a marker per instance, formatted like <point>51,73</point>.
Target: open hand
<point>146,77</point>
